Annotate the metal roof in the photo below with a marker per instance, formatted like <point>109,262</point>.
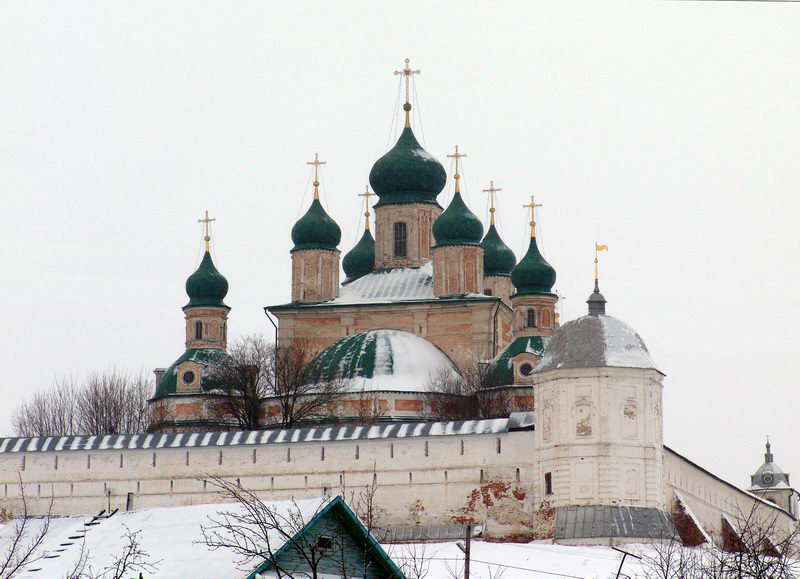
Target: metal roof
<point>515,421</point>
<point>601,521</point>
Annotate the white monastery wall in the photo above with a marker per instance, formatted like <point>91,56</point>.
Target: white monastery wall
<point>432,479</point>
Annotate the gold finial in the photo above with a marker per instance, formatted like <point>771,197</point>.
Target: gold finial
<point>316,162</point>
<point>366,195</point>
<point>532,206</point>
<point>492,191</point>
<point>207,238</point>
<point>457,156</point>
<point>597,249</point>
<point>407,72</point>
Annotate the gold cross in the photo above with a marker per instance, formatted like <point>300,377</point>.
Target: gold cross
<point>492,191</point>
<point>532,206</point>
<point>366,195</point>
<point>407,72</point>
<point>205,223</point>
<point>457,156</point>
<point>316,162</point>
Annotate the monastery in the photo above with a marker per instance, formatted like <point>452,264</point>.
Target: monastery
<point>577,457</point>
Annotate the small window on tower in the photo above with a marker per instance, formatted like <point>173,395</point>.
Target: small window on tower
<point>531,318</point>
<point>400,239</point>
<point>548,483</point>
<point>487,291</point>
<point>198,330</point>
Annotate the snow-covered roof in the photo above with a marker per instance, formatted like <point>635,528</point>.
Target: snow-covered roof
<point>383,360</point>
<point>399,284</point>
<point>278,436</point>
<point>169,535</point>
<point>595,342</point>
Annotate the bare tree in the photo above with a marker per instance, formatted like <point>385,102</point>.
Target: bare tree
<point>753,546</point>
<point>255,532</point>
<point>109,402</point>
<point>131,559</point>
<point>469,394</point>
<point>26,539</point>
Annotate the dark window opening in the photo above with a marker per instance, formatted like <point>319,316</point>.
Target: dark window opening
<point>324,544</point>
<point>548,483</point>
<point>487,291</point>
<point>531,318</point>
<point>525,369</point>
<point>400,239</point>
<point>198,330</point>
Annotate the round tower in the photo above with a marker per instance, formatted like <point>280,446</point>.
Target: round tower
<point>772,484</point>
<point>457,255</point>
<point>598,405</point>
<point>498,259</point>
<point>407,181</point>
<point>533,302</point>
<point>315,257</point>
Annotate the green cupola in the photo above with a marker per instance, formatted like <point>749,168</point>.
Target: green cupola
<point>316,229</point>
<point>533,275</point>
<point>360,260</point>
<point>407,173</point>
<point>498,259</point>
<point>457,225</point>
<point>206,287</point>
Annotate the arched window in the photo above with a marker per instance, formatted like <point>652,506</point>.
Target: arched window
<point>198,330</point>
<point>531,318</point>
<point>400,239</point>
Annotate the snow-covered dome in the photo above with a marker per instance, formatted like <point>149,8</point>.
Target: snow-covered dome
<point>595,341</point>
<point>382,360</point>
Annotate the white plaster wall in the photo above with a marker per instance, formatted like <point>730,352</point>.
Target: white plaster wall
<point>599,433</point>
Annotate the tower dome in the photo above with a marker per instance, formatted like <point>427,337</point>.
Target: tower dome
<point>457,225</point>
<point>407,173</point>
<point>360,260</point>
<point>206,286</point>
<point>498,259</point>
<point>316,230</point>
<point>533,275</point>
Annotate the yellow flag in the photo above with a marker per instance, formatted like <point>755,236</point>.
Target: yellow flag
<point>600,247</point>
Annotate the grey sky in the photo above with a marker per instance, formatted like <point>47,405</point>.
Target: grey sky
<point>668,130</point>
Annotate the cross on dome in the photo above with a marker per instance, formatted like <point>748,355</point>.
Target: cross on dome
<point>316,162</point>
<point>366,195</point>
<point>532,206</point>
<point>407,72</point>
<point>206,221</point>
<point>457,176</point>
<point>492,191</point>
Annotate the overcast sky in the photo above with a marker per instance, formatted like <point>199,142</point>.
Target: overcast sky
<point>668,130</point>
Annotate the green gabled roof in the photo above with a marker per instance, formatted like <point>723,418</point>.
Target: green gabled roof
<point>407,173</point>
<point>360,260</point>
<point>501,369</point>
<point>205,356</point>
<point>206,286</point>
<point>316,230</point>
<point>457,225</point>
<point>338,509</point>
<point>533,275</point>
<point>498,259</point>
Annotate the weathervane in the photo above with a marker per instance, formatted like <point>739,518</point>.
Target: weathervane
<point>207,238</point>
<point>316,162</point>
<point>366,195</point>
<point>407,72</point>
<point>597,249</point>
<point>532,206</point>
<point>492,191</point>
<point>457,176</point>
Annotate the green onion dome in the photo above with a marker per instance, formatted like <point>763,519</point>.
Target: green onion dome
<point>316,230</point>
<point>360,260</point>
<point>407,174</point>
<point>498,259</point>
<point>457,225</point>
<point>207,286</point>
<point>533,275</point>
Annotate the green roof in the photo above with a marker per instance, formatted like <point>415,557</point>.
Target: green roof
<point>498,259</point>
<point>501,370</point>
<point>206,286</point>
<point>316,230</point>
<point>457,225</point>
<point>533,275</point>
<point>205,356</point>
<point>407,173</point>
<point>360,260</point>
